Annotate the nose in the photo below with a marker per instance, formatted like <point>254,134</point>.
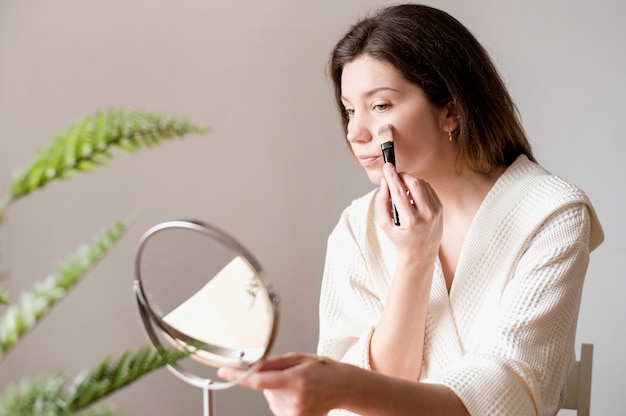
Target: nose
<point>358,132</point>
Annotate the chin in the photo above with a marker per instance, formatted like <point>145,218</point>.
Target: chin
<point>374,176</point>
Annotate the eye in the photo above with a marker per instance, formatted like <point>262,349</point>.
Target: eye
<point>349,112</point>
<point>381,107</point>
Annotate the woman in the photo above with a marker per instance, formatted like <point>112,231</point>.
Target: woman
<point>469,306</point>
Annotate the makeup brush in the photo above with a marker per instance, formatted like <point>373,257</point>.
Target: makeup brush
<point>385,138</point>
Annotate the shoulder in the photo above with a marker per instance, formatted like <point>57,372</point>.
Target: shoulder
<point>357,216</point>
<point>360,210</point>
<point>362,205</point>
<point>536,190</point>
<point>530,176</point>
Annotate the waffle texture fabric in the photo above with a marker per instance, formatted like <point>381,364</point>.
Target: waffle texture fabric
<point>503,337</point>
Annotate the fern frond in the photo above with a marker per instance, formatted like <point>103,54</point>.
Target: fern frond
<point>109,376</point>
<point>46,397</point>
<point>22,316</point>
<point>34,398</point>
<point>87,144</point>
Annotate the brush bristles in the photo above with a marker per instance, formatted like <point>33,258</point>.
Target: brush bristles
<point>385,134</point>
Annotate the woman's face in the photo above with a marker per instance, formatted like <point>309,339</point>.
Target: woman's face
<point>374,93</point>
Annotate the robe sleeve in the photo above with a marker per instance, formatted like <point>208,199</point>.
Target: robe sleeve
<point>349,309</point>
<point>520,366</point>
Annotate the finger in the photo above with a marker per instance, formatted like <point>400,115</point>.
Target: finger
<point>282,362</point>
<point>259,380</point>
<point>432,195</point>
<point>393,180</point>
<point>397,188</point>
<point>268,380</point>
<point>419,193</point>
<point>428,198</point>
<point>410,198</point>
<point>230,374</point>
<point>269,371</point>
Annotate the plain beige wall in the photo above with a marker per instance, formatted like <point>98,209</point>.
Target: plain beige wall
<point>274,172</point>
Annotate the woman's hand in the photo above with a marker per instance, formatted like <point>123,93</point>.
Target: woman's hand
<point>295,384</point>
<point>419,210</point>
<point>307,385</point>
<point>397,344</point>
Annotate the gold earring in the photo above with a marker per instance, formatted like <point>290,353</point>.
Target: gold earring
<point>450,135</point>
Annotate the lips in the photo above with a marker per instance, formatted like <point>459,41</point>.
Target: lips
<point>368,160</point>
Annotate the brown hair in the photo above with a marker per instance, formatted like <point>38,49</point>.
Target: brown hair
<point>437,53</point>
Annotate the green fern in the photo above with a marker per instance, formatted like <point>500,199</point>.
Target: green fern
<point>110,376</point>
<point>46,397</point>
<point>39,397</point>
<point>87,144</point>
<point>20,317</point>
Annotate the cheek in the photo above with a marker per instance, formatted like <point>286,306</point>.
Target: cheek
<point>406,151</point>
<point>415,141</point>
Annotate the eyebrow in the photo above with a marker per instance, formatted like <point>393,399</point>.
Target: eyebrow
<point>374,91</point>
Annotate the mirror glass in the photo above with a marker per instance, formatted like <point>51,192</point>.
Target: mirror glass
<point>198,289</point>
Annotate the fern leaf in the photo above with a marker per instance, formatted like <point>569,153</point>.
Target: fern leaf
<point>22,316</point>
<point>34,398</point>
<point>87,143</point>
<point>46,396</point>
<point>110,376</point>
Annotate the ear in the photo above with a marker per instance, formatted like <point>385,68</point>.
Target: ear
<point>450,118</point>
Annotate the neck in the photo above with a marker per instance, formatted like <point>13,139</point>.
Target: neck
<point>463,190</point>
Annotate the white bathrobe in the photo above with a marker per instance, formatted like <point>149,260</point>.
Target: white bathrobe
<point>503,338</point>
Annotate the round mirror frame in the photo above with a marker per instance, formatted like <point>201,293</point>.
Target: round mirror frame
<point>150,320</point>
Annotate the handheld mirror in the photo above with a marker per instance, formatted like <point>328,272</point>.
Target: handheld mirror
<point>198,289</point>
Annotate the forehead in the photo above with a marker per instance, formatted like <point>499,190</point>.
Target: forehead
<point>365,75</point>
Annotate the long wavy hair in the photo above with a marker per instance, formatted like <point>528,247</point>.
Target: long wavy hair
<point>437,53</point>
